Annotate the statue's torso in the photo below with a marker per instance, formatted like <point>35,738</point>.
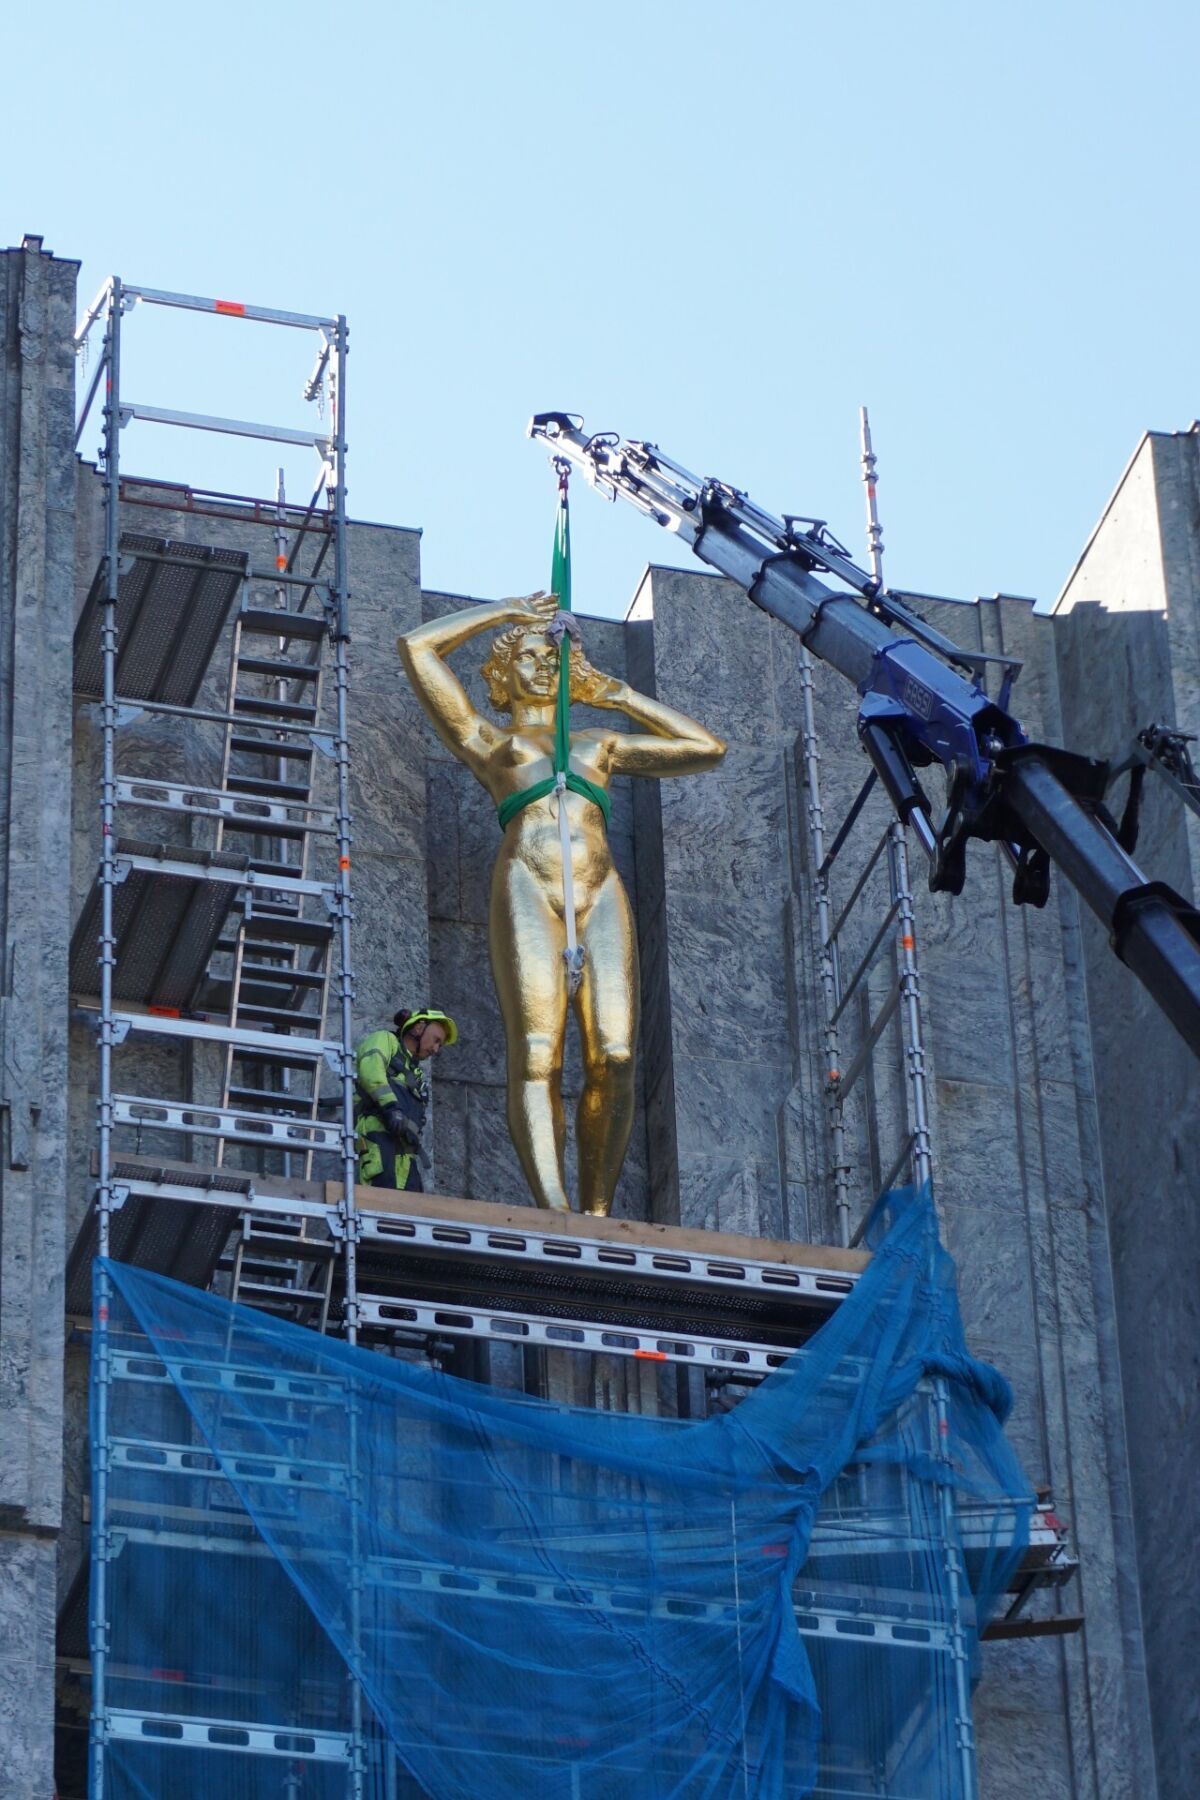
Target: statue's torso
<point>523,758</point>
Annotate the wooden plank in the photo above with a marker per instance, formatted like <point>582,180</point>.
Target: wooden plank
<point>682,1240</point>
<point>721,1246</point>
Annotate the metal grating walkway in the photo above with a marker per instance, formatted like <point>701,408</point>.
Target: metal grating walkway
<point>172,603</point>
<point>166,925</point>
<point>173,1237</point>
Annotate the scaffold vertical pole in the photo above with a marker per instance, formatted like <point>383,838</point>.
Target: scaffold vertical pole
<point>918,1149</point>
<point>922,1168</point>
<point>827,953</point>
<point>281,763</point>
<point>874,529</point>
<point>910,1001</point>
<point>341,643</point>
<point>341,639</point>
<point>98,1628</point>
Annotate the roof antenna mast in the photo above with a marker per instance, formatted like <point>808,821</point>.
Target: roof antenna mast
<point>874,529</point>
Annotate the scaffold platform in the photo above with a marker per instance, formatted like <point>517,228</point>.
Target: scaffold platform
<point>173,600</point>
<point>432,1267</point>
<point>169,910</point>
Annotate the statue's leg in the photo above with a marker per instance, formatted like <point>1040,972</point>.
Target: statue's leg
<point>607,1005</point>
<point>526,938</point>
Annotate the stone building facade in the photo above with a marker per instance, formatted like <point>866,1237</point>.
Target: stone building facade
<point>1064,1113</point>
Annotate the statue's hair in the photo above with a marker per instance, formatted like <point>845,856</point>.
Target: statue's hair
<point>500,656</point>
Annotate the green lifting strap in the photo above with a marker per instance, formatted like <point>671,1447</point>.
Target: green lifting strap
<point>578,784</point>
<point>560,584</point>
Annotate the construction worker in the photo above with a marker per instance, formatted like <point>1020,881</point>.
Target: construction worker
<point>392,1097</point>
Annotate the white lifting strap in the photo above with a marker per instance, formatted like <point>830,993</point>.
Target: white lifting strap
<point>572,955</point>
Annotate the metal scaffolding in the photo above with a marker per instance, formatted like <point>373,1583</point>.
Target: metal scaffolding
<point>193,1512</point>
<point>590,1286</point>
<point>186,933</point>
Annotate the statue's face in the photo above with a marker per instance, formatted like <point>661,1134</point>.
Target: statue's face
<point>533,671</point>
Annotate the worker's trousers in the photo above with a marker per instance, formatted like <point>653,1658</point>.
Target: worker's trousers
<point>382,1162</point>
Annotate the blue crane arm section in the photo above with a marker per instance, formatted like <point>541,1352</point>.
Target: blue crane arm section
<point>923,703</point>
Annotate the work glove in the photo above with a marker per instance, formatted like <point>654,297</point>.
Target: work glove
<point>402,1133</point>
<point>398,1126</point>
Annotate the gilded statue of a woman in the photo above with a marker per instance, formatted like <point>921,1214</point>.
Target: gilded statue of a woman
<point>527,924</point>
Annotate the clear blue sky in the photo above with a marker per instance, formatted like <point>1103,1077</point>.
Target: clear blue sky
<point>719,227</point>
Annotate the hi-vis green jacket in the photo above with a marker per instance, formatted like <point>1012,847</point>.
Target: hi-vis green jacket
<point>387,1075</point>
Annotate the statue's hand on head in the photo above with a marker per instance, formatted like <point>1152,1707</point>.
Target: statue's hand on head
<point>592,687</point>
<point>532,609</point>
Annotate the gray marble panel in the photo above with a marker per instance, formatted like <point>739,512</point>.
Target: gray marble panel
<point>730,995</point>
<point>727,830</point>
<point>1022,1675</point>
<point>387,786</point>
<point>969,1020</point>
<point>479,842</point>
<point>719,1193</point>
<point>729,1104</point>
<point>799,1214</point>
<point>77,1472</point>
<point>492,1170</point>
<point>27,1614</point>
<point>712,655</point>
<point>443,851</point>
<point>662,1148</point>
<point>461,977</point>
<point>1017,1758</point>
<point>1065,1174</point>
<point>978,1153</point>
<point>390,938</point>
<point>1014,1351</point>
<point>990,1247</point>
<point>447,1135</point>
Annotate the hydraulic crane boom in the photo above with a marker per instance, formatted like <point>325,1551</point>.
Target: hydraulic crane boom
<point>923,702</point>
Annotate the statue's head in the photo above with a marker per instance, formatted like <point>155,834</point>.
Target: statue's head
<point>523,664</point>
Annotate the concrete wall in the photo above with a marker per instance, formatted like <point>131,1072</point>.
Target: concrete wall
<point>1127,629</point>
<point>37,503</point>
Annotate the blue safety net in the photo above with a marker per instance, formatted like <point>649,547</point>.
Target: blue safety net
<point>536,1602</point>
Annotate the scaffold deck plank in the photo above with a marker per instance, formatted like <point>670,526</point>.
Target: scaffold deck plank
<point>716,1247</point>
<point>170,1236</point>
<point>172,602</point>
<point>166,926</point>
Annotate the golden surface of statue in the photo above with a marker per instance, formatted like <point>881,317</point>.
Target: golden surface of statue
<point>527,929</point>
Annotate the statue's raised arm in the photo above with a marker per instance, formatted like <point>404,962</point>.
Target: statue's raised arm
<point>667,743</point>
<point>527,925</point>
<point>465,732</point>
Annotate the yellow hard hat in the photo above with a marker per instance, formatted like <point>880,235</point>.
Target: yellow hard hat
<point>432,1015</point>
